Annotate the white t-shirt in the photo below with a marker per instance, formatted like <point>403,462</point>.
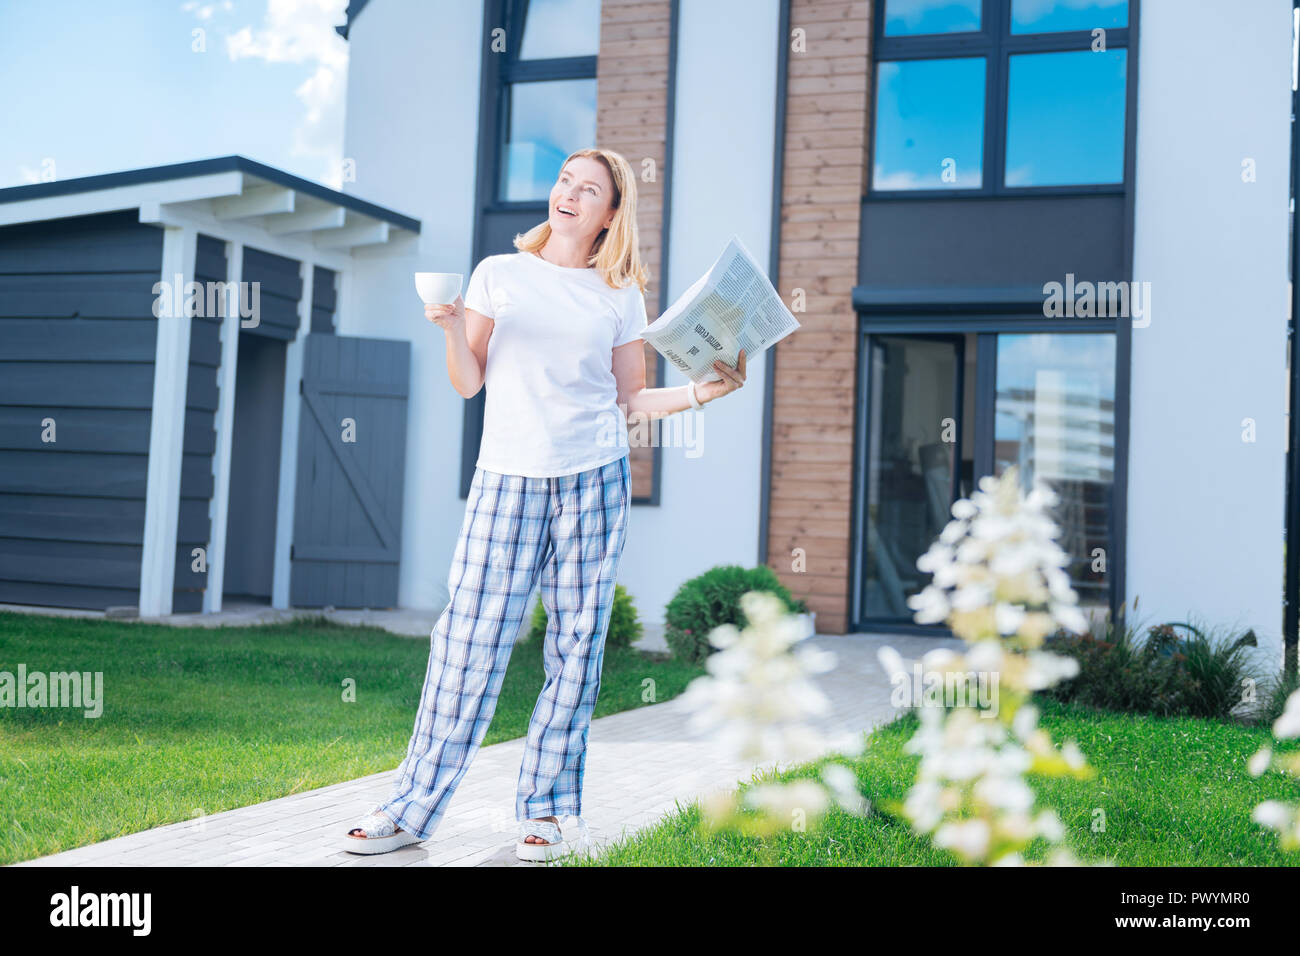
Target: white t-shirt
<point>552,402</point>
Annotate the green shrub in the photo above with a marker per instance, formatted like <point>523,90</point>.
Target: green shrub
<point>713,598</point>
<point>624,626</point>
<point>1177,670</point>
<point>1218,668</point>
<point>1273,695</point>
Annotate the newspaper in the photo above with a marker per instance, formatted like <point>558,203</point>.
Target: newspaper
<point>731,307</point>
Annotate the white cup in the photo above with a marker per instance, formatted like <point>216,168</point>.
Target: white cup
<point>438,288</point>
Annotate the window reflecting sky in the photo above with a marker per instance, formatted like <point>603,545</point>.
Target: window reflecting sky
<point>908,17</point>
<point>1019,356</point>
<point>1078,367</point>
<point>1055,420</point>
<point>548,121</point>
<point>561,28</point>
<point>1048,16</point>
<point>1065,118</point>
<point>929,117</point>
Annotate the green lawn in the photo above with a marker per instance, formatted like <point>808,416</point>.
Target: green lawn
<point>200,720</point>
<point>1174,791</point>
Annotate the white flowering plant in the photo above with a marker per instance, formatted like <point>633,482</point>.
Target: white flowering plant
<point>997,569</point>
<point>759,696</point>
<point>999,582</point>
<point>1275,814</point>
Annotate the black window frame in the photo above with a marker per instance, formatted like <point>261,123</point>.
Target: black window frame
<point>499,72</point>
<point>987,328</point>
<point>995,42</point>
<point>514,70</point>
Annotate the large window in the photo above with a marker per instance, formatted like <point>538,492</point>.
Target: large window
<point>548,106</point>
<point>538,106</point>
<point>999,96</point>
<point>941,409</point>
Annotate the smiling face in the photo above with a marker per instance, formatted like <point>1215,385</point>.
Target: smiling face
<point>582,199</point>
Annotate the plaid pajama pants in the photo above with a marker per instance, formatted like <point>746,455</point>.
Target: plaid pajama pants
<point>569,532</point>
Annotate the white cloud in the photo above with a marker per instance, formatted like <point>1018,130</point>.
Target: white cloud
<point>1032,10</point>
<point>203,11</point>
<point>302,31</point>
<point>903,179</point>
<point>1021,176</point>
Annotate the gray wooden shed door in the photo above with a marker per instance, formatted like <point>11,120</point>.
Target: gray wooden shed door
<point>351,453</point>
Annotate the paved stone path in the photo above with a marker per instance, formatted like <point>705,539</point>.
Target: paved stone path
<point>640,763</point>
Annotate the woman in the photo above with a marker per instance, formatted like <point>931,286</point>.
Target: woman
<point>552,332</point>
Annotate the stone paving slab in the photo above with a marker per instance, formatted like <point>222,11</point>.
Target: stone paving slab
<point>640,765</point>
<point>404,622</point>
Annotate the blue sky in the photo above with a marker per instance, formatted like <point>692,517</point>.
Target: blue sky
<point>93,86</point>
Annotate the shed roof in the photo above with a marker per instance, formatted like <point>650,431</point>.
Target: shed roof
<point>231,189</point>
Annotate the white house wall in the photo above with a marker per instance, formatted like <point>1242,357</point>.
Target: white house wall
<point>412,132</point>
<point>721,172</point>
<point>1205,507</point>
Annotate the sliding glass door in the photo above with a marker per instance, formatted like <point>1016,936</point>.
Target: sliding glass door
<point>937,411</point>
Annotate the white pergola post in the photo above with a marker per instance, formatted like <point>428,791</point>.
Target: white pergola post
<point>219,509</point>
<point>167,424</point>
<point>285,500</point>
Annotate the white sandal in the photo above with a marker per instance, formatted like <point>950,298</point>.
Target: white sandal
<point>381,834</point>
<point>561,840</point>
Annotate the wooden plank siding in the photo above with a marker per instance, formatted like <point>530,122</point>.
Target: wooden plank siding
<point>280,286</point>
<point>77,344</point>
<point>324,300</point>
<point>813,406</point>
<point>632,119</point>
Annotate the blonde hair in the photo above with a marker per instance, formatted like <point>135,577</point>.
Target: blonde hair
<point>614,251</point>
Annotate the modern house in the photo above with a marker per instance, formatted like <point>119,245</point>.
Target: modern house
<point>1032,232</point>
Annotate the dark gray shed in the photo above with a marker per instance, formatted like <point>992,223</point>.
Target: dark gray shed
<point>168,362</point>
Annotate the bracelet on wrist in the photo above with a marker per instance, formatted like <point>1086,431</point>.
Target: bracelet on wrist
<point>690,394</point>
